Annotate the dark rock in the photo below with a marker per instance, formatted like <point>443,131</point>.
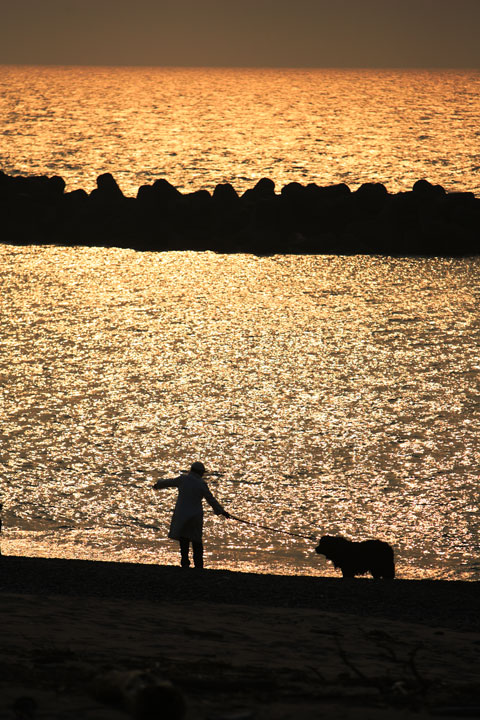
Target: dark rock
<point>106,183</point>
<point>57,185</point>
<point>199,198</point>
<point>264,189</point>
<point>198,213</point>
<point>145,194</point>
<point>225,193</point>
<point>165,190</point>
<point>426,190</point>
<point>159,196</point>
<point>292,191</point>
<point>339,191</point>
<point>372,191</point>
<point>107,188</point>
<point>78,195</point>
<point>370,199</point>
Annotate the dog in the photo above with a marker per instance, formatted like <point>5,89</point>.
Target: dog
<point>358,558</point>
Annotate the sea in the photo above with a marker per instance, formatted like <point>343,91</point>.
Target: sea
<point>325,395</point>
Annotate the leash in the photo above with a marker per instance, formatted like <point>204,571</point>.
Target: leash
<point>148,526</point>
<point>270,529</point>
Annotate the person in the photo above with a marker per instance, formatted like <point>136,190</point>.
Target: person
<point>187,519</point>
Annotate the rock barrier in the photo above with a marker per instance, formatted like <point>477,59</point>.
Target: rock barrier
<point>426,220</point>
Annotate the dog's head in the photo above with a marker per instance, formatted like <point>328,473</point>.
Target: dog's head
<point>331,547</point>
<point>324,544</point>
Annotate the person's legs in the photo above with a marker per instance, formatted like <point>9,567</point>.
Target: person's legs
<point>184,550</point>
<point>197,554</point>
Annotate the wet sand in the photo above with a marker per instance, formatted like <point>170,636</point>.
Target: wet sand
<point>234,645</point>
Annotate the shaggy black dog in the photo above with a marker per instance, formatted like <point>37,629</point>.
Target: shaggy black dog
<point>358,558</point>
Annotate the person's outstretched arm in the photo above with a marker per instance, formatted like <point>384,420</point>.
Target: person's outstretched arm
<point>217,508</point>
<point>168,482</point>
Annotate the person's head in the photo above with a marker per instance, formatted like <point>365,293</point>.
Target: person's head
<point>198,468</point>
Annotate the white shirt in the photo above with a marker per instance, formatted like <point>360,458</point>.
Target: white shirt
<point>187,518</point>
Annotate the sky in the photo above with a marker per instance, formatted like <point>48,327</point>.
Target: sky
<point>248,33</point>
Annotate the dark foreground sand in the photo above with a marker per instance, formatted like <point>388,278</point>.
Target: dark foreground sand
<point>77,636</point>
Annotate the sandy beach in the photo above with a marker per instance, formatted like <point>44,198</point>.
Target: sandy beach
<point>90,640</point>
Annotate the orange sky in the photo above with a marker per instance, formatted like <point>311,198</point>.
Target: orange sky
<point>274,33</point>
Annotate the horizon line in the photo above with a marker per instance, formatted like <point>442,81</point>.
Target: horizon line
<point>429,68</point>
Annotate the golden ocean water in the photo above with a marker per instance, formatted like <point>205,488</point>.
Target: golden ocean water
<point>325,394</point>
<point>199,127</point>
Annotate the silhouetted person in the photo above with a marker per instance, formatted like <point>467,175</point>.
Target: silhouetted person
<point>187,519</point>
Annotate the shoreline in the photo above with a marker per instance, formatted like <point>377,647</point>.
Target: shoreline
<point>300,219</point>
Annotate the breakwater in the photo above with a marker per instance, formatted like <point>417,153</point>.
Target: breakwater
<point>297,219</point>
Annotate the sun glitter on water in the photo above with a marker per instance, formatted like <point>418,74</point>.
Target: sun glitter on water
<point>327,395</point>
<point>199,127</point>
